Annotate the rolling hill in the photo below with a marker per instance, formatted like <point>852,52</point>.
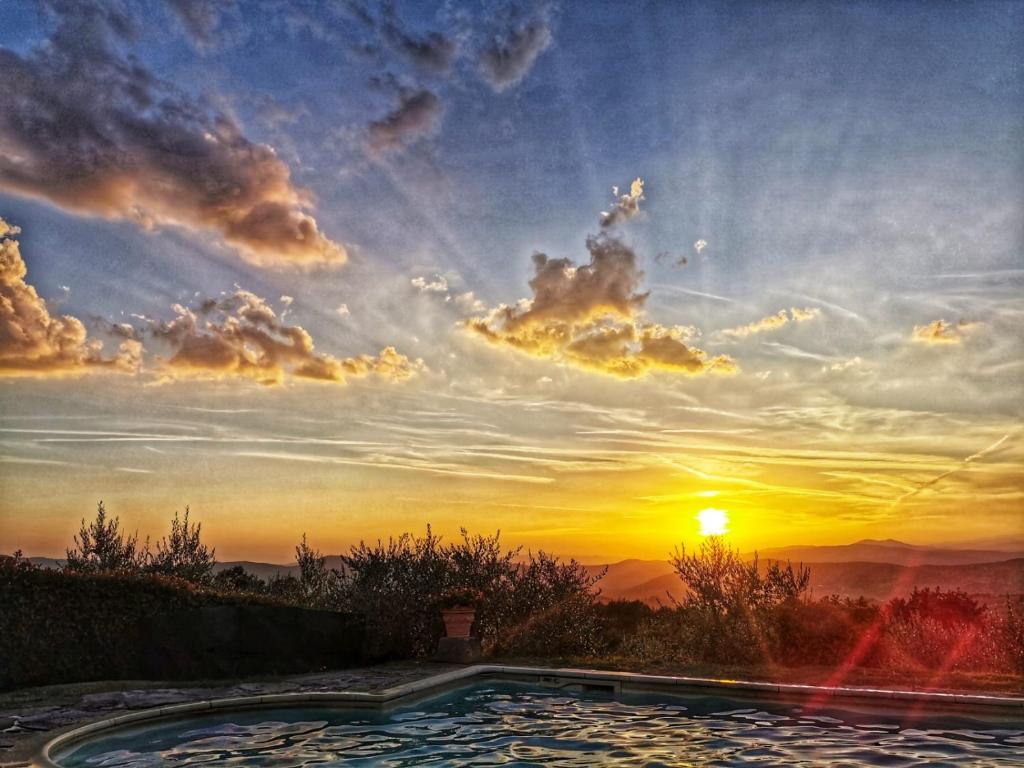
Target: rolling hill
<point>874,569</point>
<point>878,581</point>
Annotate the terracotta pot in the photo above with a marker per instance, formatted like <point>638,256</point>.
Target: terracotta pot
<point>458,621</point>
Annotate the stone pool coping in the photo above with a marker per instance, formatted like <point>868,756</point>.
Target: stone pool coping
<point>978,704</point>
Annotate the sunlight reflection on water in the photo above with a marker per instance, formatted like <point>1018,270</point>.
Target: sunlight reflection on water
<point>517,725</point>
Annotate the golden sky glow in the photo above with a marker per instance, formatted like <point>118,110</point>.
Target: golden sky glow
<point>508,285</point>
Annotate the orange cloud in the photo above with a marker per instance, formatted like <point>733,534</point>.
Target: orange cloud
<point>241,336</point>
<point>774,322</point>
<point>34,343</point>
<point>590,317</point>
<point>941,332</point>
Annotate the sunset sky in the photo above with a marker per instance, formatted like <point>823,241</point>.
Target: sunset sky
<point>574,271</point>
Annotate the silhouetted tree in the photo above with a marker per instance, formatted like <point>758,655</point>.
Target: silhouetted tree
<point>316,582</point>
<point>722,582</point>
<point>102,546</point>
<point>183,554</point>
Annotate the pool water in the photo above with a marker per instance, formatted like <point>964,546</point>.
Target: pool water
<point>517,725</point>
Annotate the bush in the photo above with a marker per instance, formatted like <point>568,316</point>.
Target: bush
<point>541,605</point>
<point>67,626</point>
<point>552,610</point>
<point>826,632</point>
<point>237,580</point>
<point>946,631</point>
<point>1009,633</point>
<point>732,604</point>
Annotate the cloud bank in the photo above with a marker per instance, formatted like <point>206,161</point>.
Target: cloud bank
<point>33,342</point>
<point>95,132</point>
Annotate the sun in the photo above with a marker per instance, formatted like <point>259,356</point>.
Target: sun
<point>713,522</point>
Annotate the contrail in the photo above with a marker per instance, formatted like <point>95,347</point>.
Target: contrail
<point>944,475</point>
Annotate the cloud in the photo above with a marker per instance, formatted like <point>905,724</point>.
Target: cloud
<point>591,317</point>
<point>807,313</point>
<point>438,285</point>
<point>241,336</point>
<point>34,343</point>
<point>625,206</point>
<point>200,18</point>
<point>467,302</point>
<point>417,115</point>
<point>941,332</point>
<point>509,57</point>
<point>774,322</point>
<point>434,52</point>
<point>961,465</point>
<point>97,133</point>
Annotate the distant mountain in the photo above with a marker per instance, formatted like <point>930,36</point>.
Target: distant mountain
<point>1012,543</point>
<point>872,568</point>
<point>887,551</point>
<point>878,581</point>
<point>263,570</point>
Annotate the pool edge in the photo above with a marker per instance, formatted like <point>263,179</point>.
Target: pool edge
<point>629,681</point>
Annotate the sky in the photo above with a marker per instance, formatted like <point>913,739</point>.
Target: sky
<point>576,272</point>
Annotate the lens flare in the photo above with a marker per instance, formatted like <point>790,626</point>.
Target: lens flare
<point>713,522</point>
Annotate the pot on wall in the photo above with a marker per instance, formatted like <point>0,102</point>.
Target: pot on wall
<point>458,620</point>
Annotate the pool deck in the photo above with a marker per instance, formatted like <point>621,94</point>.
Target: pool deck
<point>36,734</point>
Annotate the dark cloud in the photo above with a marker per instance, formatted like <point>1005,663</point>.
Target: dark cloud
<point>417,115</point>
<point>35,343</point>
<point>95,132</point>
<point>508,57</point>
<point>241,336</point>
<point>433,52</point>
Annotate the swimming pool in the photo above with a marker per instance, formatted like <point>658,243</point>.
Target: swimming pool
<point>499,722</point>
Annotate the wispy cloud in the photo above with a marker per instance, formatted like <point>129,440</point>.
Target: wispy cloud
<point>774,322</point>
<point>962,465</point>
